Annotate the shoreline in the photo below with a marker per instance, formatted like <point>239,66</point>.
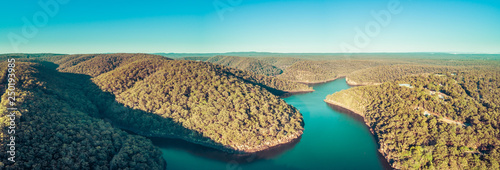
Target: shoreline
<point>299,91</point>
<point>259,148</point>
<point>291,93</point>
<point>360,117</point>
<point>320,82</point>
<point>355,84</point>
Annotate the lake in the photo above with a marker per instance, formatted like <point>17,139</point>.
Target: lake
<point>331,140</point>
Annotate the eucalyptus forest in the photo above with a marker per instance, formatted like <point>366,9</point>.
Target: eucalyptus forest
<point>100,111</point>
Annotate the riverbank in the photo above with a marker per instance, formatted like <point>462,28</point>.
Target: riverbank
<point>319,82</point>
<point>354,84</point>
<point>208,143</point>
<point>291,93</point>
<point>299,91</point>
<point>357,115</point>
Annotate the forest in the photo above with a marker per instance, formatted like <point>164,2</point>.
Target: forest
<point>360,69</point>
<point>73,107</point>
<point>433,112</point>
<point>247,64</point>
<point>311,71</point>
<point>443,120</point>
<point>57,127</point>
<point>201,102</point>
<point>385,73</point>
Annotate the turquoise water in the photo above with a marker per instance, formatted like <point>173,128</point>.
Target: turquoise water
<point>331,140</point>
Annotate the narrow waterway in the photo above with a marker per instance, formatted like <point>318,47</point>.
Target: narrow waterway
<point>331,140</point>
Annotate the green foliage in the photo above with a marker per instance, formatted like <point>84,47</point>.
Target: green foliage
<point>95,65</point>
<point>56,127</point>
<point>324,70</point>
<point>281,62</point>
<point>248,64</point>
<point>198,101</point>
<point>207,99</point>
<point>411,140</point>
<point>385,73</point>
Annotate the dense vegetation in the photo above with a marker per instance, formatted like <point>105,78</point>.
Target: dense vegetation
<point>247,64</point>
<point>95,65</point>
<point>57,127</point>
<point>385,73</point>
<point>447,120</point>
<point>280,62</point>
<point>310,71</point>
<point>442,121</point>
<point>324,67</point>
<point>197,101</point>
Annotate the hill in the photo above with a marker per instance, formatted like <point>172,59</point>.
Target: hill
<point>385,73</point>
<point>280,62</point>
<point>433,121</point>
<point>96,64</point>
<point>312,71</point>
<point>56,126</point>
<point>200,102</point>
<point>247,64</point>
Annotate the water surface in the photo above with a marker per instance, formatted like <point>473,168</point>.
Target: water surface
<point>331,140</point>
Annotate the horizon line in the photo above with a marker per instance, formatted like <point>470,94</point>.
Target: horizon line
<point>254,52</point>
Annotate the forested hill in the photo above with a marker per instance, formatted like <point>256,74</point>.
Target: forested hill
<point>385,73</point>
<point>96,64</point>
<point>325,70</point>
<point>200,102</point>
<point>433,121</point>
<point>58,126</point>
<point>247,64</point>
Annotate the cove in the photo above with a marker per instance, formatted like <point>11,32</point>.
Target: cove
<point>331,140</point>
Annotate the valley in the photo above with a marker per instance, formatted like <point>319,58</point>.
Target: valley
<point>257,111</point>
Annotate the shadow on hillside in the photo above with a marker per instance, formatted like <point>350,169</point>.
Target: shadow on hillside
<point>270,89</point>
<point>151,125</point>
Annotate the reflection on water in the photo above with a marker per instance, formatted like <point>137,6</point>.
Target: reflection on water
<point>212,153</point>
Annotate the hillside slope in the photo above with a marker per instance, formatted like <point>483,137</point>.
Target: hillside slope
<point>439,121</point>
<point>200,102</point>
<point>324,70</point>
<point>97,64</point>
<point>248,64</point>
<point>57,127</point>
<point>385,73</point>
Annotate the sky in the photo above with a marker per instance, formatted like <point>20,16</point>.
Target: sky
<point>216,26</point>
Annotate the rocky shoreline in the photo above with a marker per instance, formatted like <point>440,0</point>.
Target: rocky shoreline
<point>361,117</point>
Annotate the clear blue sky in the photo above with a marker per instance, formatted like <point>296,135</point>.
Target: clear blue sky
<point>98,26</point>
